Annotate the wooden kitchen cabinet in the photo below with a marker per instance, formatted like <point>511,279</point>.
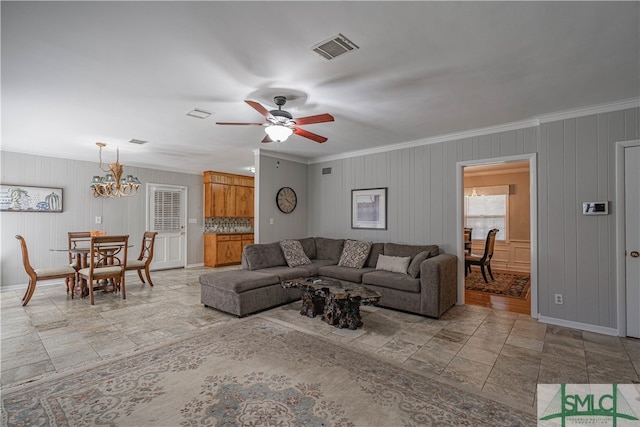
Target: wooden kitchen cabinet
<point>224,249</point>
<point>244,202</point>
<point>228,195</point>
<point>224,200</point>
<point>247,239</point>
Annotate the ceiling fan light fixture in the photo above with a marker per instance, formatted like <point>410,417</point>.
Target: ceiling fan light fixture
<point>278,133</point>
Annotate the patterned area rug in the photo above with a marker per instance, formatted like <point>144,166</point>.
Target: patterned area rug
<point>505,284</point>
<point>253,372</point>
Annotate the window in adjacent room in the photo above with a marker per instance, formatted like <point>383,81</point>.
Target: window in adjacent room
<point>486,208</point>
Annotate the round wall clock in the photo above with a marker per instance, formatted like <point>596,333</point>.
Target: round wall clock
<point>286,199</point>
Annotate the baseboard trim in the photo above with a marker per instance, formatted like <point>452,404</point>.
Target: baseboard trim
<point>201,264</point>
<point>578,325</point>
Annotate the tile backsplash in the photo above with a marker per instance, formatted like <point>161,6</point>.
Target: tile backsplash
<point>221,224</point>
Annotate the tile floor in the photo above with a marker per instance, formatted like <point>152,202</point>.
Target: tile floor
<point>498,352</point>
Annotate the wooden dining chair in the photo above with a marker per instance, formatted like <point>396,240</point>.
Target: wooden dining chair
<point>77,239</point>
<point>467,239</point>
<point>107,264</point>
<point>146,256</point>
<point>483,260</point>
<point>62,272</point>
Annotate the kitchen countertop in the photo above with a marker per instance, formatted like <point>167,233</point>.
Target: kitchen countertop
<point>228,232</point>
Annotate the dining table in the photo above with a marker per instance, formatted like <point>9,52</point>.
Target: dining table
<point>80,255</point>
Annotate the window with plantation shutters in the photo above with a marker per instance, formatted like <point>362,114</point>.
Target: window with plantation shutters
<point>167,210</point>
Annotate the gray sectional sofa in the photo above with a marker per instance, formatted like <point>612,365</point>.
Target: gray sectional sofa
<point>412,278</point>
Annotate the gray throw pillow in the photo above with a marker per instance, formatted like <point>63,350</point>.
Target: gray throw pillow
<point>354,254</point>
<point>294,253</point>
<point>414,266</point>
<point>395,264</point>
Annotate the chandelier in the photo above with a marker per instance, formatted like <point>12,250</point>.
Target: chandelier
<point>113,183</point>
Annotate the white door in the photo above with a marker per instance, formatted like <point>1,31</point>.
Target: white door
<point>166,206</point>
<point>632,237</point>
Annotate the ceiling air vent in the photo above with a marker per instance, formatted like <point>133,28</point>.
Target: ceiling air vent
<point>334,47</point>
<point>198,113</point>
<point>138,141</point>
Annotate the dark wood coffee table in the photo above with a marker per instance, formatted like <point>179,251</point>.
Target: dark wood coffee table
<point>338,302</point>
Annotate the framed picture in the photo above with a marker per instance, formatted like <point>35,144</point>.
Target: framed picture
<point>21,198</point>
<point>369,208</point>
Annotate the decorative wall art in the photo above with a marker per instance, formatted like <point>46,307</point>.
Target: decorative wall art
<point>369,208</point>
<point>20,198</point>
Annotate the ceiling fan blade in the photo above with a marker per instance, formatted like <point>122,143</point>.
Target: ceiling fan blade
<point>239,124</point>
<point>266,139</point>
<point>312,136</point>
<point>320,118</point>
<point>260,109</point>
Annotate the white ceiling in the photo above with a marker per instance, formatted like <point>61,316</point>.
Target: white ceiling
<point>75,73</point>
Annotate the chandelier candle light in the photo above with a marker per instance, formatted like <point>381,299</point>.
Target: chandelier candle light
<point>113,184</point>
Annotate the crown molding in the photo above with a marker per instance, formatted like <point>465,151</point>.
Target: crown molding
<point>588,111</point>
<point>281,156</point>
<point>523,124</point>
<point>432,140</point>
<point>496,172</point>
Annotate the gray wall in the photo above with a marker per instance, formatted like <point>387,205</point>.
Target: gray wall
<point>119,215</point>
<point>421,185</point>
<point>576,254</point>
<point>271,175</point>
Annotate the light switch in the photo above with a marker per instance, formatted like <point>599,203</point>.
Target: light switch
<point>193,220</point>
<point>98,220</point>
<point>271,221</point>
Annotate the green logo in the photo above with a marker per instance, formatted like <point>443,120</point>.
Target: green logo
<point>581,408</point>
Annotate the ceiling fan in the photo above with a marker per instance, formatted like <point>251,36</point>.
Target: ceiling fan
<point>280,124</point>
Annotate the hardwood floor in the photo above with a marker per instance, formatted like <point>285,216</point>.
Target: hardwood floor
<point>513,305</point>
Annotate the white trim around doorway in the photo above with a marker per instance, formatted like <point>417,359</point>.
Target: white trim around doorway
<point>621,286</point>
<point>533,206</point>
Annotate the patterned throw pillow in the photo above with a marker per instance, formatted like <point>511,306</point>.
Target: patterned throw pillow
<point>294,253</point>
<point>395,264</point>
<point>354,253</point>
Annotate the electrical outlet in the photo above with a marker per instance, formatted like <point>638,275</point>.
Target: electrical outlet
<point>559,299</point>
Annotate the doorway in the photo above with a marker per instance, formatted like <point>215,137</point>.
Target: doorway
<point>166,214</point>
<point>628,237</point>
<point>499,193</point>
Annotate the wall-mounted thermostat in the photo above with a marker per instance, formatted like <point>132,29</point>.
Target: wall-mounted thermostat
<point>595,208</point>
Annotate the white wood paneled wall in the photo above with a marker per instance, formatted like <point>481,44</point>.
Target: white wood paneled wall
<point>43,231</point>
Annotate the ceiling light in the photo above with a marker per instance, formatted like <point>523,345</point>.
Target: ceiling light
<point>113,183</point>
<point>198,114</point>
<point>278,133</point>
